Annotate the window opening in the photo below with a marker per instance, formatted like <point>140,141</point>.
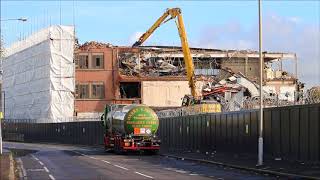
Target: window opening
<point>130,90</point>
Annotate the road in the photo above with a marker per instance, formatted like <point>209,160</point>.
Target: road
<point>48,161</point>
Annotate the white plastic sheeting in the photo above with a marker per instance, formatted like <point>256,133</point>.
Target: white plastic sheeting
<point>38,77</point>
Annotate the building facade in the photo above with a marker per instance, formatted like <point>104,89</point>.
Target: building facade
<point>155,75</point>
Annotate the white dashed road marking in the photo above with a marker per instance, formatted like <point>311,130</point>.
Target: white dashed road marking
<point>121,167</point>
<point>51,177</point>
<point>92,157</point>
<point>34,170</point>
<point>193,174</point>
<point>144,175</point>
<point>181,171</point>
<point>106,161</point>
<point>79,153</point>
<point>24,172</point>
<point>34,157</point>
<point>46,169</point>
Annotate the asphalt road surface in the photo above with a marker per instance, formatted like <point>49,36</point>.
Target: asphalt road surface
<point>48,161</point>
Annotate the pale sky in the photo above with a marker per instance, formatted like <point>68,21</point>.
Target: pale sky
<point>288,26</point>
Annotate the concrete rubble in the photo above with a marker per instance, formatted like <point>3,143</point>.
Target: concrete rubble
<point>145,64</point>
<point>235,92</point>
<point>92,45</point>
<point>313,95</point>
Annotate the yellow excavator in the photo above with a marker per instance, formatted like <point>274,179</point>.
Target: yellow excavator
<point>175,13</point>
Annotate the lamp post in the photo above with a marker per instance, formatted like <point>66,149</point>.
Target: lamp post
<point>260,139</point>
<point>2,117</point>
<point>15,19</point>
<point>2,92</point>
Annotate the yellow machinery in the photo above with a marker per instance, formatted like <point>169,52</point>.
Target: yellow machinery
<point>175,13</point>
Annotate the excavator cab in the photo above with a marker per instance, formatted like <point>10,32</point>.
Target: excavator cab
<point>189,100</point>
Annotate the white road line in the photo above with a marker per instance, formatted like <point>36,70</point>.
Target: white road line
<point>106,161</point>
<point>99,159</point>
<point>193,174</point>
<point>35,170</point>
<point>46,169</point>
<point>79,153</point>
<point>40,163</point>
<point>120,167</point>
<point>24,172</point>
<point>34,157</point>
<point>181,171</point>
<point>51,177</point>
<point>144,175</point>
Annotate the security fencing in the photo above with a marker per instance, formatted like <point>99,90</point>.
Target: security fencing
<point>82,132</point>
<point>290,132</point>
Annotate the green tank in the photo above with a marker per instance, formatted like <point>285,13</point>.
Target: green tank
<point>131,119</point>
<point>141,120</point>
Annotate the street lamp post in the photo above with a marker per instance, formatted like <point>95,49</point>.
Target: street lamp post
<point>2,92</point>
<point>260,139</point>
<point>2,117</point>
<point>15,19</point>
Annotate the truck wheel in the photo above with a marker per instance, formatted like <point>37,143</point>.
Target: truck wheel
<point>155,152</point>
<point>151,152</point>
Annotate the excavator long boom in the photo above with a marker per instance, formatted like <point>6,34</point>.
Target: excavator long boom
<point>174,13</point>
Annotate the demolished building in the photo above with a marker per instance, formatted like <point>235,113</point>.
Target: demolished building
<point>50,76</point>
<point>156,76</point>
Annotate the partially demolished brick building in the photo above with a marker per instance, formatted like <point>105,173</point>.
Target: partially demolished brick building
<point>155,76</point>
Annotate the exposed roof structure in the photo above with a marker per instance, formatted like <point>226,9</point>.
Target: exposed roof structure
<point>219,53</point>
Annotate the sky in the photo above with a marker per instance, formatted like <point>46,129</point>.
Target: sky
<point>288,26</point>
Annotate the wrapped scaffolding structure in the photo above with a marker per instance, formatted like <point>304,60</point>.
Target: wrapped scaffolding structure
<point>38,76</point>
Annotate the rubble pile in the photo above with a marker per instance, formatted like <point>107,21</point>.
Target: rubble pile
<point>93,45</point>
<point>313,95</point>
<point>226,89</point>
<point>144,64</point>
<point>235,92</point>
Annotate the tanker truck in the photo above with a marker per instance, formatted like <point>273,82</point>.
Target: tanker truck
<point>130,128</point>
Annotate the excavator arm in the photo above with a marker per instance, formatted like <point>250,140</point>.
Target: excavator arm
<point>175,13</point>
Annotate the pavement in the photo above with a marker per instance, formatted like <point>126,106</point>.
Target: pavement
<point>48,161</point>
<point>6,166</point>
<point>281,167</point>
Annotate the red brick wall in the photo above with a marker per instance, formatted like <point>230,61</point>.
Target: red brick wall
<point>103,75</point>
<point>109,75</point>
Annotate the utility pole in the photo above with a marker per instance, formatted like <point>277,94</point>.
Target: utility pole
<point>260,139</point>
<point>1,118</point>
<point>2,113</point>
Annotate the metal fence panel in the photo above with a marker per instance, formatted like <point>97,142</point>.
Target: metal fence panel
<point>267,131</point>
<point>291,132</point>
<point>314,133</point>
<point>304,134</point>
<point>213,132</point>
<point>276,127</point>
<point>294,133</point>
<point>241,129</point>
<point>285,132</point>
<point>229,129</point>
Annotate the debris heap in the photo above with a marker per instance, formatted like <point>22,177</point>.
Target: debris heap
<point>236,92</point>
<point>93,45</point>
<point>313,95</point>
<point>145,64</point>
